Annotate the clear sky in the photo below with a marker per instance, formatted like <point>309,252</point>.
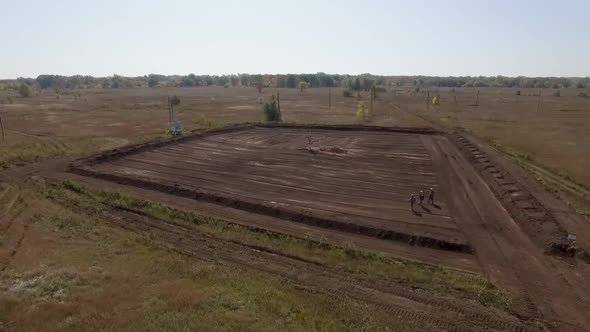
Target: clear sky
<point>131,38</point>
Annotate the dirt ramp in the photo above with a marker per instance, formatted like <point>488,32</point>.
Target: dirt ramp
<point>537,222</point>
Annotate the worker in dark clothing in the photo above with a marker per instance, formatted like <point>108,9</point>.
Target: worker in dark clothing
<point>431,196</point>
<point>421,198</point>
<point>412,200</point>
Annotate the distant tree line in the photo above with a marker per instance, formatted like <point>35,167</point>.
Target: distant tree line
<point>363,82</point>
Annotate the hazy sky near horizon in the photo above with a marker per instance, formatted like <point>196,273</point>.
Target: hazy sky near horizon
<point>446,38</point>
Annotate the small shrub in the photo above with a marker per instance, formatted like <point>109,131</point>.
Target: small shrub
<point>302,86</point>
<point>153,81</point>
<point>347,93</point>
<point>362,112</point>
<point>380,88</point>
<point>557,93</point>
<point>226,85</point>
<point>260,100</point>
<point>271,110</point>
<point>582,94</point>
<point>202,121</point>
<point>524,156</point>
<point>174,100</point>
<point>518,92</point>
<point>25,90</point>
<point>10,99</point>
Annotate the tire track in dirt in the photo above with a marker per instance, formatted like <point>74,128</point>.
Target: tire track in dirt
<point>531,215</point>
<point>5,220</point>
<point>318,207</point>
<point>260,223</point>
<point>258,171</point>
<point>389,234</point>
<point>324,205</point>
<point>523,268</point>
<point>489,252</point>
<point>15,222</point>
<point>403,303</point>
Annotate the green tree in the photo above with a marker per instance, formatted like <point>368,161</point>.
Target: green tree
<point>362,112</point>
<point>356,84</point>
<point>302,86</point>
<point>153,81</point>
<point>25,90</point>
<point>116,82</point>
<point>271,110</point>
<point>347,93</point>
<point>174,101</point>
<point>367,83</point>
<point>47,81</point>
<point>188,80</point>
<point>223,81</point>
<point>291,81</point>
<point>234,80</point>
<point>106,83</point>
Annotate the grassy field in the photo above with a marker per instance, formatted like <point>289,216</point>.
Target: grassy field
<point>83,121</point>
<point>365,265</point>
<point>74,272</point>
<point>547,135</point>
<point>554,136</point>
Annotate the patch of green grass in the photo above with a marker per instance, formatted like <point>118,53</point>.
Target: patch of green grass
<point>29,152</point>
<point>362,264</point>
<point>41,285</point>
<point>522,156</point>
<point>34,149</point>
<point>114,282</point>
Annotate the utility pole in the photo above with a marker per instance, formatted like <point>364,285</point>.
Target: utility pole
<point>372,97</point>
<point>169,111</point>
<point>371,103</point>
<point>278,102</point>
<point>428,100</point>
<point>539,100</point>
<point>2,125</point>
<point>329,98</point>
<point>477,98</point>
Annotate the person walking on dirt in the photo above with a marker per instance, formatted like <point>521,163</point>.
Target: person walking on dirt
<point>421,198</point>
<point>431,196</point>
<point>412,200</point>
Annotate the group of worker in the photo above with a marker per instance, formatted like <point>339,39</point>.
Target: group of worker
<point>421,198</point>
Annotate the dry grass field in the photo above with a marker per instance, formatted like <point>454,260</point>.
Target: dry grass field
<point>90,120</point>
<point>548,135</point>
<point>78,253</point>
